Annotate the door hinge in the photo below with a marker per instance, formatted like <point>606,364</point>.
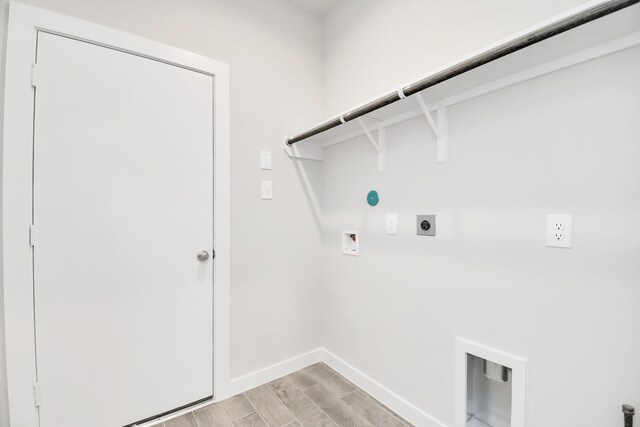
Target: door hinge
<point>34,75</point>
<point>32,235</point>
<point>36,394</point>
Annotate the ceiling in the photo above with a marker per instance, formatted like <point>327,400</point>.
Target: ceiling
<point>317,7</point>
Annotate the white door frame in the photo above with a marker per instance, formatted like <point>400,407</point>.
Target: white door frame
<point>17,276</point>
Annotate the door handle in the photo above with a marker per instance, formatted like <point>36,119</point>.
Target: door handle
<point>203,256</point>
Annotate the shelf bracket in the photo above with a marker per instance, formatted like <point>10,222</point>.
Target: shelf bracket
<point>439,129</point>
<point>380,145</point>
<point>305,151</point>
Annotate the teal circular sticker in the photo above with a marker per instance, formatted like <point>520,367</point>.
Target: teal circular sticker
<point>372,198</point>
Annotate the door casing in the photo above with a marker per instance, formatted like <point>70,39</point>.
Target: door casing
<point>17,154</point>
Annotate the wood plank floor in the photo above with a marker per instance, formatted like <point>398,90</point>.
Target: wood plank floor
<point>316,396</point>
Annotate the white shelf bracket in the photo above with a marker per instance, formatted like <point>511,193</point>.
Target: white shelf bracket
<point>304,151</point>
<point>439,129</point>
<point>380,145</point>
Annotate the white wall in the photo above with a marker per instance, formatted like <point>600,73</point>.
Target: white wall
<point>563,143</point>
<point>4,402</point>
<point>394,311</point>
<point>372,46</point>
<point>274,50</point>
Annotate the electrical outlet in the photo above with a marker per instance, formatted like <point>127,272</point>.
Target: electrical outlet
<point>426,225</point>
<point>559,231</point>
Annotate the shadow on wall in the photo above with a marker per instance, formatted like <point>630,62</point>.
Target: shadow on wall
<point>310,174</point>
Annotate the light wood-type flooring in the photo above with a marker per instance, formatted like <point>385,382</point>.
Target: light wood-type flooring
<point>316,396</point>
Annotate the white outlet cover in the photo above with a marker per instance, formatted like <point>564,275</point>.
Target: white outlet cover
<point>265,160</point>
<point>560,231</point>
<point>267,190</point>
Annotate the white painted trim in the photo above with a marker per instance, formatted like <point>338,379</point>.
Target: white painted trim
<point>275,371</point>
<point>386,396</point>
<point>531,29</point>
<point>518,367</point>
<point>254,379</point>
<point>24,22</point>
<point>570,60</point>
<point>394,401</point>
<point>304,150</point>
<point>389,398</point>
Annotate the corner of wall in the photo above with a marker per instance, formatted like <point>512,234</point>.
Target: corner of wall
<point>4,398</point>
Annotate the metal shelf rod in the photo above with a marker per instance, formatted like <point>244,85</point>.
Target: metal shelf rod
<point>529,39</point>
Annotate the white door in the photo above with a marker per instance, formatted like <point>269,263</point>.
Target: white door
<point>123,202</point>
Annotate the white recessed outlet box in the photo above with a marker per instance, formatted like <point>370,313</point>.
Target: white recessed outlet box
<point>265,160</point>
<point>392,223</point>
<point>350,242</point>
<point>267,190</point>
<point>559,231</point>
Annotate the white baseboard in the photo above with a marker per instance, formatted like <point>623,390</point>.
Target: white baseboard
<point>273,372</point>
<point>395,402</point>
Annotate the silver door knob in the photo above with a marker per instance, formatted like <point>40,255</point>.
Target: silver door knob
<point>203,256</point>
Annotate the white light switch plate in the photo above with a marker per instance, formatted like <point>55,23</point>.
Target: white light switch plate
<point>267,190</point>
<point>265,160</point>
<point>559,231</point>
<point>392,223</point>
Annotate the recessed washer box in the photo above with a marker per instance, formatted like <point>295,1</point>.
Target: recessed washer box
<point>490,387</point>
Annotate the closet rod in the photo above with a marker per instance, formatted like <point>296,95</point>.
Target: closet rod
<point>498,52</point>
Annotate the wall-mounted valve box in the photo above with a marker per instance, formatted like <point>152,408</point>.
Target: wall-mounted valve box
<point>350,242</point>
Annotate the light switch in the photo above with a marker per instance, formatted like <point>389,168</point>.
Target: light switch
<point>392,223</point>
<point>265,160</point>
<point>267,190</point>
